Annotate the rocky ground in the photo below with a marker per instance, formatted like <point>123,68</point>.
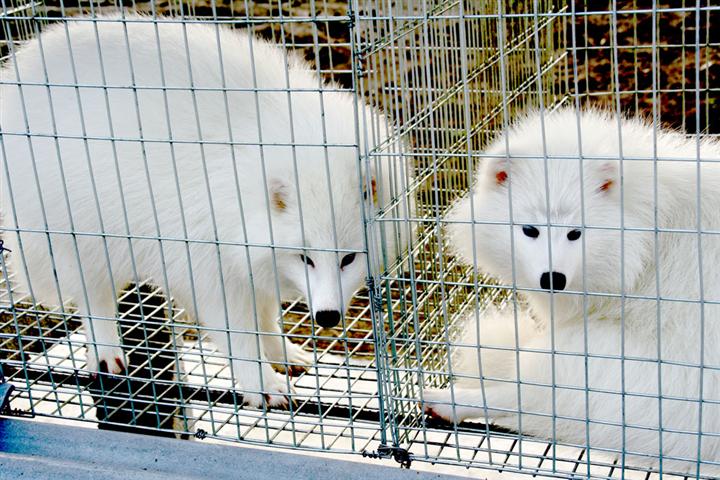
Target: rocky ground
<point>681,70</point>
<point>686,70</point>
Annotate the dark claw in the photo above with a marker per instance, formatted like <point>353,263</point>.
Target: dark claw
<point>296,370</point>
<point>430,412</point>
<point>103,367</point>
<point>267,401</point>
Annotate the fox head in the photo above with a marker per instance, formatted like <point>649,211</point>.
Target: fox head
<point>544,219</point>
<point>321,191</point>
<point>319,213</point>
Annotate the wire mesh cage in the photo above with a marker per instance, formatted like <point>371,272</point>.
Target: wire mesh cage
<point>171,362</point>
<point>413,92</point>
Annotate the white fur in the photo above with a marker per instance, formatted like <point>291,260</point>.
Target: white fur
<point>144,54</point>
<point>608,256</point>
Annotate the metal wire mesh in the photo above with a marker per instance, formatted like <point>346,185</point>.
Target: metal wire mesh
<point>448,75</point>
<point>538,56</point>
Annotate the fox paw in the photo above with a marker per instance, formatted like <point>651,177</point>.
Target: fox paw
<point>109,359</point>
<point>442,404</point>
<point>297,354</point>
<point>301,358</point>
<point>436,404</point>
<point>441,412</point>
<point>275,393</point>
<point>298,358</point>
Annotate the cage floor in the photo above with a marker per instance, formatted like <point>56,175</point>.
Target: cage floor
<point>190,393</point>
<point>178,382</point>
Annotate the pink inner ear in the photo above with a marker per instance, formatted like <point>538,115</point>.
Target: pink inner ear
<point>500,177</point>
<point>606,186</point>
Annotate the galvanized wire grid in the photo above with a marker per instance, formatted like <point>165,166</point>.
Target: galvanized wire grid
<point>450,74</point>
<point>179,383</point>
<point>483,64</point>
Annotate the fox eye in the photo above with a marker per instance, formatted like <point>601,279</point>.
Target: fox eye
<point>573,235</point>
<point>530,231</point>
<point>307,260</point>
<point>347,260</point>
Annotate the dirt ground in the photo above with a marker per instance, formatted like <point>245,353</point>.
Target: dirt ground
<point>685,76</point>
<point>686,72</point>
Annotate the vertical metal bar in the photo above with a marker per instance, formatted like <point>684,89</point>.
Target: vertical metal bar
<point>701,281</point>
<point>583,222</point>
<point>296,173</point>
<point>618,108</point>
<point>374,278</point>
<point>656,221</point>
<point>511,220</point>
<point>261,149</point>
<point>541,102</point>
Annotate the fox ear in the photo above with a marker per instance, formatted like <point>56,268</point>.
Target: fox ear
<point>497,172</point>
<point>501,176</point>
<point>373,190</point>
<point>608,176</point>
<point>278,195</point>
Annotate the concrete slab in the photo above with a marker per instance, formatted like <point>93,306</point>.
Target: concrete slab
<point>36,450</point>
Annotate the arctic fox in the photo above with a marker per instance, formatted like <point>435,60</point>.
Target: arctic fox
<point>625,233</point>
<point>180,153</point>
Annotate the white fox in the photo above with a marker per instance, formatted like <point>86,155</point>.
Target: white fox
<point>180,153</point>
<point>625,233</point>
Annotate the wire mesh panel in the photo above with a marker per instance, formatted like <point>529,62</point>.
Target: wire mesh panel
<point>249,221</point>
<point>173,376</point>
<point>461,336</point>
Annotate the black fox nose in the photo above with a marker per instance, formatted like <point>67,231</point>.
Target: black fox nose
<point>558,280</point>
<point>327,318</point>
